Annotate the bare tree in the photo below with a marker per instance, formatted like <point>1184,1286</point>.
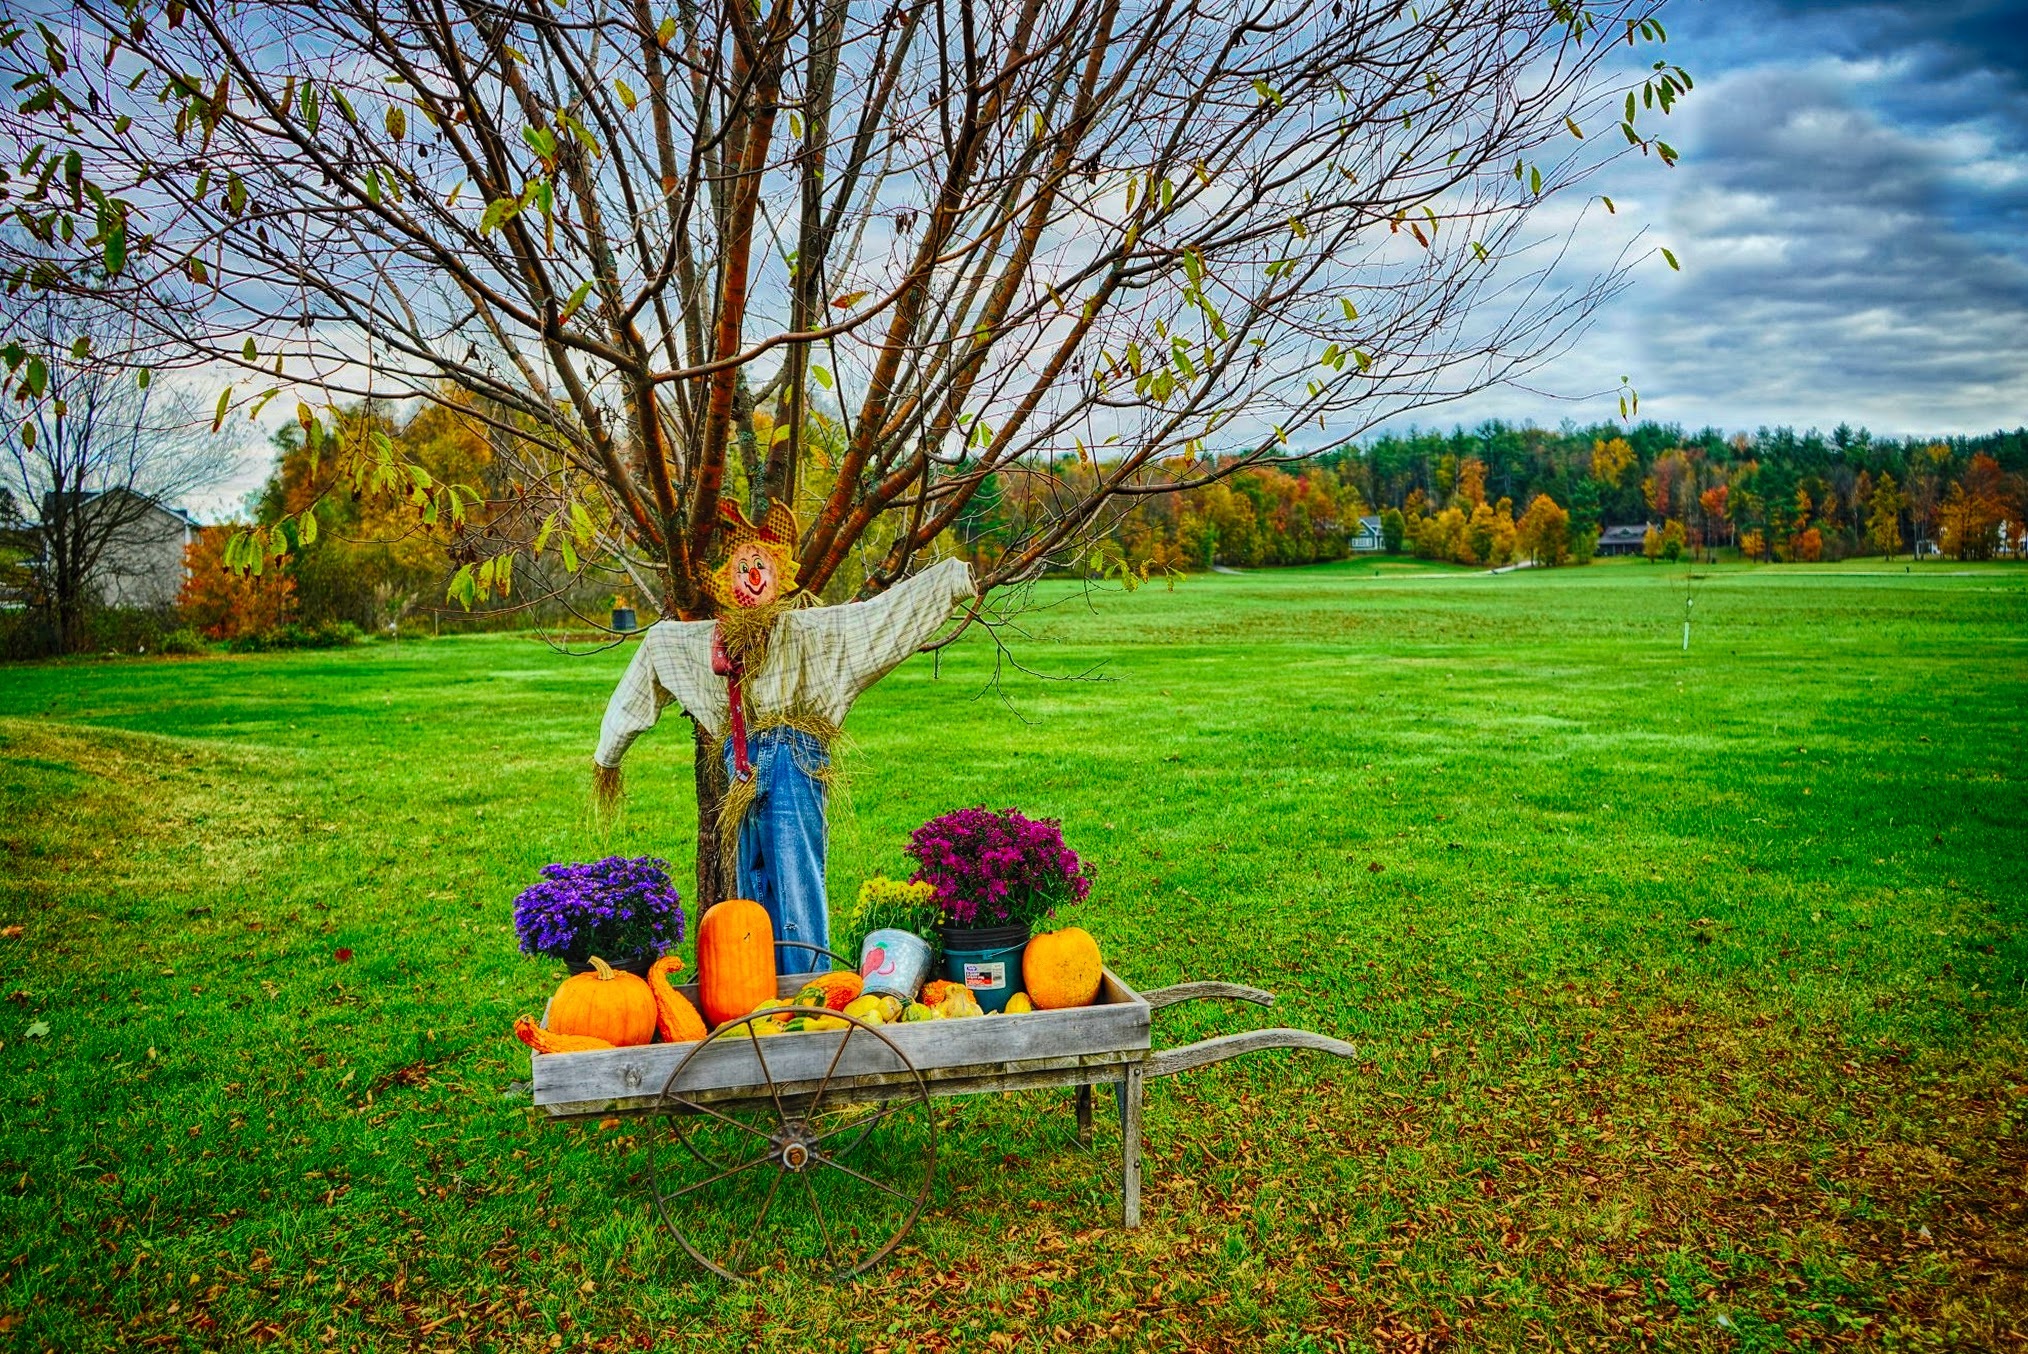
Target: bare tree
<point>966,238</point>
<point>91,467</point>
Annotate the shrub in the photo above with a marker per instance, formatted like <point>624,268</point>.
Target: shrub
<point>184,641</point>
<point>222,604</point>
<point>27,633</point>
<point>1392,530</point>
<point>294,635</point>
<point>30,633</point>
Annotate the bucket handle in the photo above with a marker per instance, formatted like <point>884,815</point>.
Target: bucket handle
<point>995,954</point>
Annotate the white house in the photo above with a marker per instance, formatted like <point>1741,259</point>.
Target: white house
<point>1366,536</point>
<point>142,564</point>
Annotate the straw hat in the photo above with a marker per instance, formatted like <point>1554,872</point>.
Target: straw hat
<point>776,535</point>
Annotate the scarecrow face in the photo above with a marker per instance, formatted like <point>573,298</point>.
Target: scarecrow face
<point>755,581</point>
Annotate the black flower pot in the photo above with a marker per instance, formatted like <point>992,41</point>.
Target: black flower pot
<point>635,964</point>
<point>987,960</point>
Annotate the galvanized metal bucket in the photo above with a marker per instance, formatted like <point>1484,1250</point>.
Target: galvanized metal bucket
<point>894,963</point>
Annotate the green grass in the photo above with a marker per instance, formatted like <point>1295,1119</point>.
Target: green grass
<point>1689,987</point>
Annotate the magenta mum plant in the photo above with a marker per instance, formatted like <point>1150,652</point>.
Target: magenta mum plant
<point>997,869</point>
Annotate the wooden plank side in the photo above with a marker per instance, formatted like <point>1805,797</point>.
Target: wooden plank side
<point>1037,1074</point>
<point>1118,1023</point>
<point>789,1059</point>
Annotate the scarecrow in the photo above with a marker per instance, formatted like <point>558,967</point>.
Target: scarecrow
<point>772,679</point>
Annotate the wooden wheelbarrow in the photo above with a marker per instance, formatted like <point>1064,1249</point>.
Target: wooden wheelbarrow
<point>750,1132</point>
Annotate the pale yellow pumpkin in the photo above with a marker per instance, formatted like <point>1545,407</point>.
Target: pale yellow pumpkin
<point>1061,969</point>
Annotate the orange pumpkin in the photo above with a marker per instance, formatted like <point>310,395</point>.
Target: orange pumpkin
<point>1061,969</point>
<point>735,959</point>
<point>676,1020</point>
<point>605,1004</point>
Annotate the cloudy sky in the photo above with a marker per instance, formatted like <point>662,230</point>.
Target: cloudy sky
<point>1849,212</point>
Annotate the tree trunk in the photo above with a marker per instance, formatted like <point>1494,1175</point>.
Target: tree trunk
<point>712,883</point>
<point>69,615</point>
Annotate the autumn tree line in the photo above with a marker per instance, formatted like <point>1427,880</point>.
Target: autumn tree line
<point>1501,493</point>
<point>1487,496</point>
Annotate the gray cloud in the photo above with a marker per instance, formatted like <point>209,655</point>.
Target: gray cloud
<point>1851,213</point>
<point>1839,267</point>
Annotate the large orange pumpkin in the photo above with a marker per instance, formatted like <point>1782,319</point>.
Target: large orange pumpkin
<point>735,959</point>
<point>1061,969</point>
<point>605,1004</point>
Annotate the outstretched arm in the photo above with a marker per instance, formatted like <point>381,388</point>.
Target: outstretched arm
<point>861,642</point>
<point>635,706</point>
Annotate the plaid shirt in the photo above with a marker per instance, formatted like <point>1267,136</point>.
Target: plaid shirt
<point>819,659</point>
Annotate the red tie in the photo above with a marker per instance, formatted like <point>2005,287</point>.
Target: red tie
<point>728,667</point>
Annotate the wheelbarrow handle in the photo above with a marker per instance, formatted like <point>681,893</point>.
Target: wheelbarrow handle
<point>1182,992</point>
<point>1169,1061</point>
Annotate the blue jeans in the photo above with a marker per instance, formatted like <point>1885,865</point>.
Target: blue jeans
<point>783,842</point>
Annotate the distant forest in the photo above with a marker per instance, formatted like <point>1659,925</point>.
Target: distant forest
<point>1491,495</point>
<point>1500,492</point>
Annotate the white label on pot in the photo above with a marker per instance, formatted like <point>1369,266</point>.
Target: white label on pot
<point>986,977</point>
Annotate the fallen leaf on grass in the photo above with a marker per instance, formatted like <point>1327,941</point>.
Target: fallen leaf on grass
<point>11,932</point>
<point>36,1030</point>
<point>343,956</point>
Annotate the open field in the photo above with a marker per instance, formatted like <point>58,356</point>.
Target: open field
<point>1690,986</point>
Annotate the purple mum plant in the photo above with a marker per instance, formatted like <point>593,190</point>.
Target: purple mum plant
<point>614,908</point>
<point>997,869</point>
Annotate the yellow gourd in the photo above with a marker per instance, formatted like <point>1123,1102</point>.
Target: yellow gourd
<point>957,1002</point>
<point>875,1009</point>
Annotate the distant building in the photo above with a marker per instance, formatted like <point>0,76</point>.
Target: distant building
<point>1623,540</point>
<point>142,565</point>
<point>1366,536</point>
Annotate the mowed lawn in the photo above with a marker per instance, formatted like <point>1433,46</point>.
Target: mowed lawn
<point>1689,987</point>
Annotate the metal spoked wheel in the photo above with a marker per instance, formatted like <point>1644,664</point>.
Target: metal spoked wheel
<point>811,1152</point>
